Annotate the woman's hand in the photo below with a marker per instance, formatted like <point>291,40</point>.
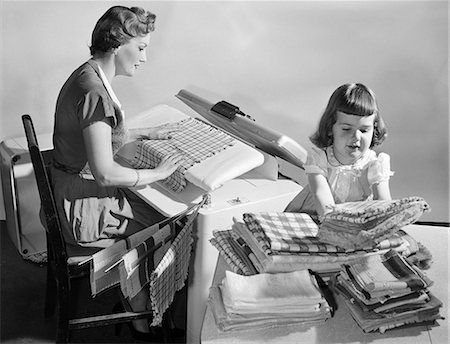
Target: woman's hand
<point>168,165</point>
<point>162,132</point>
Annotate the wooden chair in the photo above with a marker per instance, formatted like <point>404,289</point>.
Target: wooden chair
<point>63,265</point>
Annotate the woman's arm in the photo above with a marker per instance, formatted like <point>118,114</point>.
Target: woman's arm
<point>107,172</point>
<point>321,192</point>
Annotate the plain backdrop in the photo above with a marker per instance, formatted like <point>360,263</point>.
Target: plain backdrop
<point>279,61</point>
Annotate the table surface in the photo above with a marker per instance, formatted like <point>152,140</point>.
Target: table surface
<point>341,328</point>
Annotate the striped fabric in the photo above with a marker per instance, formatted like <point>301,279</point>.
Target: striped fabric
<point>355,225</point>
<point>138,265</point>
<point>195,141</point>
<point>157,257</point>
<point>385,291</point>
<point>232,254</point>
<point>287,232</point>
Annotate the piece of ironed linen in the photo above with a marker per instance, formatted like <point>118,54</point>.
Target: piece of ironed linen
<point>318,262</point>
<point>194,140</point>
<point>277,293</point>
<point>104,269</point>
<point>237,257</point>
<point>372,321</point>
<point>287,232</point>
<point>354,225</point>
<point>382,304</point>
<point>138,263</point>
<point>386,272</point>
<point>245,322</point>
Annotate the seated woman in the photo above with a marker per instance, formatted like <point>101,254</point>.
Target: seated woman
<point>92,199</point>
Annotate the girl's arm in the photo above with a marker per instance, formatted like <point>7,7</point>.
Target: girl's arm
<point>321,192</point>
<point>381,191</point>
<point>378,176</point>
<point>107,172</point>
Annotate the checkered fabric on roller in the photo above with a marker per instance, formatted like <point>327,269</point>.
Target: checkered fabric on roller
<point>195,141</point>
<point>353,225</point>
<point>287,232</point>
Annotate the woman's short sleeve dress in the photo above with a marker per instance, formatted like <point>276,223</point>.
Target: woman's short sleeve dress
<point>90,214</point>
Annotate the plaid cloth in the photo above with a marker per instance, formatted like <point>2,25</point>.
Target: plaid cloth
<point>354,225</point>
<point>104,268</point>
<point>195,141</point>
<point>287,232</point>
<point>387,272</point>
<point>372,321</point>
<point>237,259</point>
<point>148,257</point>
<point>242,252</point>
<point>171,273</point>
<point>138,263</point>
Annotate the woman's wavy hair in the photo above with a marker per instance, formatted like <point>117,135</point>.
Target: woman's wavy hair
<point>354,99</point>
<point>118,25</point>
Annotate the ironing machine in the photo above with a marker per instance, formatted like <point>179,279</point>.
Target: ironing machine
<point>243,178</point>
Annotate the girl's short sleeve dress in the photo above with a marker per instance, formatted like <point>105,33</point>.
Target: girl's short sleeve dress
<point>348,183</point>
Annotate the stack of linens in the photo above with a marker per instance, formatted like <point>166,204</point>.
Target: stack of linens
<point>356,225</point>
<point>268,300</point>
<point>270,242</point>
<point>385,291</point>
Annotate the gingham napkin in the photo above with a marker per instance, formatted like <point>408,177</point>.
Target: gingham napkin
<point>287,232</point>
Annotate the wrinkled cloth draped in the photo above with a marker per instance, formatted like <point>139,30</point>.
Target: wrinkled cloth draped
<point>157,257</point>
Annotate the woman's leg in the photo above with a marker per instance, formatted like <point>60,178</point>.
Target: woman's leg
<point>138,304</point>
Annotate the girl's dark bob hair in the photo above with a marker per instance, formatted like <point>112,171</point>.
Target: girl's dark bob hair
<point>354,99</point>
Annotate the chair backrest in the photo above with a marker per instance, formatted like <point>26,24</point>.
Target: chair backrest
<point>55,241</point>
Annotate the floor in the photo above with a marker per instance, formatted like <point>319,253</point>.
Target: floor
<point>22,303</point>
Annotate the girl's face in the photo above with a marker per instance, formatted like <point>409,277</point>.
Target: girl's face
<point>131,55</point>
<point>352,136</point>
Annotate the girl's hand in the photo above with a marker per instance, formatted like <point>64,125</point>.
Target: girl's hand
<point>169,164</point>
<point>162,132</point>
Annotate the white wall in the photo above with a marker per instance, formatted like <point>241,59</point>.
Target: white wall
<point>279,61</point>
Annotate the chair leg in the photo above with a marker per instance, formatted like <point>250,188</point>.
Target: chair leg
<point>50,293</point>
<point>62,323</point>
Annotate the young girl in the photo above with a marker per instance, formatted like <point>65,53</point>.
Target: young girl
<point>341,166</point>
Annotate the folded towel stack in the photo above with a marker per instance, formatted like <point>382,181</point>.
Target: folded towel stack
<point>268,300</point>
<point>356,225</point>
<point>282,242</point>
<point>385,291</point>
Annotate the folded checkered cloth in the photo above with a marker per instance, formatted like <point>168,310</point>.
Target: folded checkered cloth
<point>195,141</point>
<point>386,273</point>
<point>240,260</point>
<point>278,232</point>
<point>354,225</point>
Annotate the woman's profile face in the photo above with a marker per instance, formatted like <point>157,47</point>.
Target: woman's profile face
<point>131,55</point>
